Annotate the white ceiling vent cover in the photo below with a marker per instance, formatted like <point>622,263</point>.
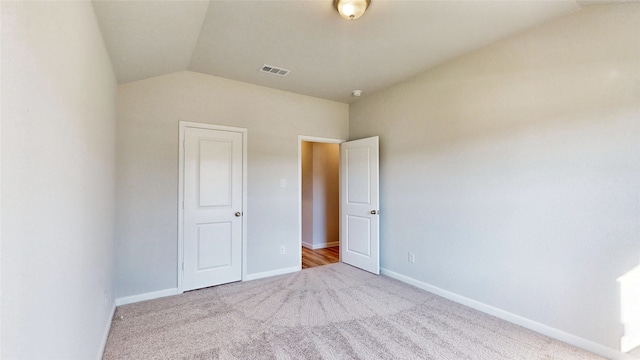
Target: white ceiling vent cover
<point>274,70</point>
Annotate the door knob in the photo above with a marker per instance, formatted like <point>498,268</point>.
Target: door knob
<point>374,212</point>
<point>238,214</point>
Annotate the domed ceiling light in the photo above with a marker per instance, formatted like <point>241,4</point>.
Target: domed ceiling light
<point>351,9</point>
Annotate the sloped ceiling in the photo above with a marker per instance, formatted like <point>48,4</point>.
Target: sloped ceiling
<point>328,56</point>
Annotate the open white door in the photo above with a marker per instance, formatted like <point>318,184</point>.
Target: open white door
<point>213,207</point>
<point>359,204</point>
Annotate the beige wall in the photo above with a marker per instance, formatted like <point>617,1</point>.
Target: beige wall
<point>512,172</point>
<point>326,196</point>
<point>148,116</point>
<point>320,194</point>
<point>306,159</point>
<point>58,182</point>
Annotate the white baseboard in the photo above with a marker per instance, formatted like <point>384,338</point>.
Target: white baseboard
<point>271,273</point>
<point>513,318</point>
<point>146,296</point>
<point>320,245</point>
<point>105,335</point>
<point>174,291</point>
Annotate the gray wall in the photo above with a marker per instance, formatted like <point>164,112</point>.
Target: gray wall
<point>512,172</point>
<point>148,116</point>
<point>58,182</point>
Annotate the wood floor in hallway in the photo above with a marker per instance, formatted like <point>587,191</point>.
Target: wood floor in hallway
<point>319,257</point>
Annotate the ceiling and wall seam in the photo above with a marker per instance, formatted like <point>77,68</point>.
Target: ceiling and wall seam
<point>204,19</point>
<point>330,56</point>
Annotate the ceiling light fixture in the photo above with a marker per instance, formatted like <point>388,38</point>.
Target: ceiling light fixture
<point>351,9</point>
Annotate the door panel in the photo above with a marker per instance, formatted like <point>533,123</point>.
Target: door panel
<point>215,242</point>
<point>359,204</point>
<point>215,171</point>
<point>358,175</point>
<point>212,197</point>
<point>359,233</point>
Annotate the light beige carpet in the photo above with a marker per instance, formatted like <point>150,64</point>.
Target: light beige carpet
<point>328,312</point>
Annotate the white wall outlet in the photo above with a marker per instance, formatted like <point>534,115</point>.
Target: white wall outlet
<point>106,298</point>
<point>282,250</point>
<point>411,258</point>
<point>283,183</point>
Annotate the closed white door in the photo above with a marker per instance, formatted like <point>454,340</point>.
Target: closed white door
<point>213,191</point>
<point>359,204</point>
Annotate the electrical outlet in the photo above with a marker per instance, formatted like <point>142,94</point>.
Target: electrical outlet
<point>282,250</point>
<point>411,258</point>
<point>106,298</point>
<point>283,183</point>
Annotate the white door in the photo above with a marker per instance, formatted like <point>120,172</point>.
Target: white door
<point>212,240</point>
<point>359,204</point>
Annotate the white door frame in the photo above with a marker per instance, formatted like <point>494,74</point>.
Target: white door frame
<point>316,139</point>
<point>187,124</point>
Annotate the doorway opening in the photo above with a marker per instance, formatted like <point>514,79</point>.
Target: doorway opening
<point>319,201</point>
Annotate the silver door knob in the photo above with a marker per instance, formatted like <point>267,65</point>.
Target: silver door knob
<point>238,214</point>
<point>374,212</point>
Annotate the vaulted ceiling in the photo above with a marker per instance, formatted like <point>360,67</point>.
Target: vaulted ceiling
<point>328,56</point>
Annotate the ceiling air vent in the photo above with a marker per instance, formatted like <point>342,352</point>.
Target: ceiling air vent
<point>274,70</point>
